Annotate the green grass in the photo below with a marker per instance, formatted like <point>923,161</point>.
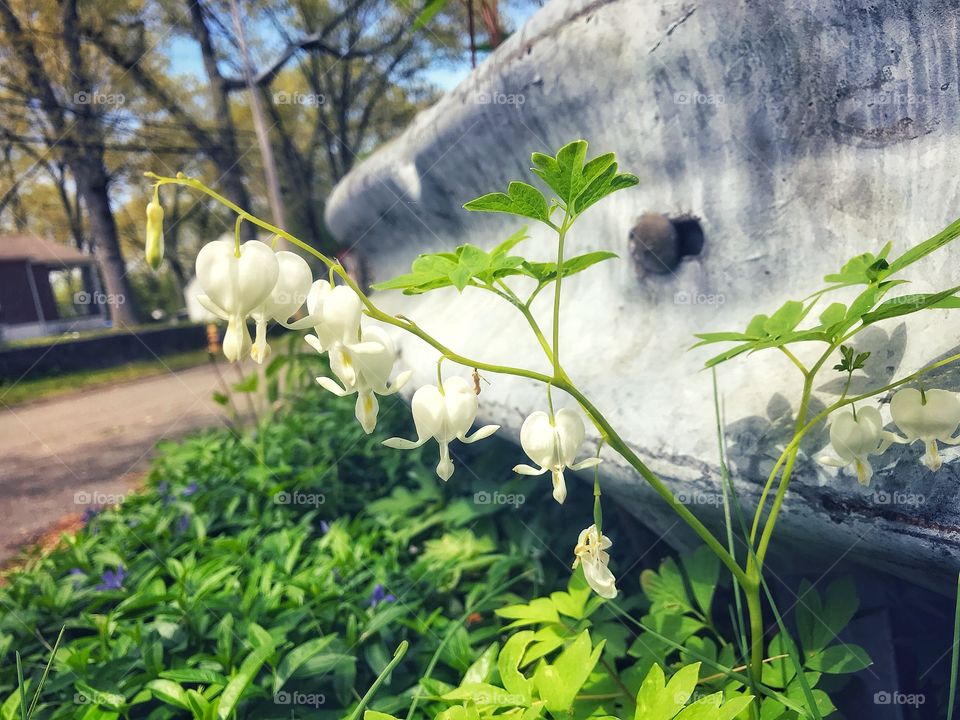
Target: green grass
<point>27,390</point>
<point>89,334</point>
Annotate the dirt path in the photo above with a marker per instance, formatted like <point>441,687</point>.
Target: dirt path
<point>64,455</point>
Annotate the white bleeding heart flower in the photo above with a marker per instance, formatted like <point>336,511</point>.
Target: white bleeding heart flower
<point>590,552</point>
<point>932,416</point>
<point>234,284</point>
<point>288,294</point>
<point>854,436</point>
<point>553,444</point>
<point>364,368</point>
<point>445,414</point>
<point>334,313</point>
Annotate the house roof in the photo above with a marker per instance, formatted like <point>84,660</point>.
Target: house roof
<point>41,251</point>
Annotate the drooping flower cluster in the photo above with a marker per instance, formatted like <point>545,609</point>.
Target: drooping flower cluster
<point>249,281</point>
<point>928,416</point>
<point>361,357</point>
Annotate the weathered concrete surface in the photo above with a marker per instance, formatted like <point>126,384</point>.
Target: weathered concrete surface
<point>799,134</point>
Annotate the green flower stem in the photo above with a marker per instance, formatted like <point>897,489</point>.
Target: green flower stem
<point>511,297</point>
<point>614,440</point>
<point>562,235</point>
<point>397,657</point>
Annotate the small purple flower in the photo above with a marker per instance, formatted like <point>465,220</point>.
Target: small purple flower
<point>190,489</point>
<point>111,580</point>
<point>163,488</point>
<point>379,595</point>
<point>90,513</point>
<point>78,576</point>
<point>183,524</point>
<point>324,527</point>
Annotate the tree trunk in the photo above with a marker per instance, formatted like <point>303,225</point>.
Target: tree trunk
<point>92,184</point>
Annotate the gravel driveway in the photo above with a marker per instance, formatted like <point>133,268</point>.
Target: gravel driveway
<point>60,456</point>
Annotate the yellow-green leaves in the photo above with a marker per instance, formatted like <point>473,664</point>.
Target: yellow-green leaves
<point>154,245</point>
<point>661,700</point>
<point>559,683</point>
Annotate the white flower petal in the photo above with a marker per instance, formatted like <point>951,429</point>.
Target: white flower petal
<point>236,339</point>
<point>210,305</point>
<point>559,487</point>
<point>527,470</point>
<point>366,411</point>
<point>584,464</point>
<point>484,432</point>
<point>403,444</point>
<point>329,385</point>
<point>445,466</point>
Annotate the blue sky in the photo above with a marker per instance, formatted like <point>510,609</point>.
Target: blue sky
<point>185,56</point>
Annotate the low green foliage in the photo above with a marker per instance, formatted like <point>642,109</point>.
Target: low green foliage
<point>256,575</point>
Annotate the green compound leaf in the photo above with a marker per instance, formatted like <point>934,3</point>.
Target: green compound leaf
<point>459,268</point>
<point>564,173</point>
<point>520,199</point>
<point>605,183</point>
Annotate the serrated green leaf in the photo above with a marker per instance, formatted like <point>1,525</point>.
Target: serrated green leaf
<point>605,183</point>
<point>520,199</point>
<point>665,588</point>
<point>508,663</point>
<point>729,354</point>
<point>562,174</point>
<point>835,313</point>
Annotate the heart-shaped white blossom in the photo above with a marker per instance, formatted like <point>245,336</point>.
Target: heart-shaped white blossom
<point>234,283</point>
<point>364,368</point>
<point>444,414</point>
<point>854,436</point>
<point>288,294</point>
<point>553,444</point>
<point>590,553</point>
<point>334,313</point>
<point>932,416</point>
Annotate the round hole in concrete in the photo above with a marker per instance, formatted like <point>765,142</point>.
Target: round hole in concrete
<point>659,243</point>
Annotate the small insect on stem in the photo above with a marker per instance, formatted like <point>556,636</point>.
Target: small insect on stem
<point>476,380</point>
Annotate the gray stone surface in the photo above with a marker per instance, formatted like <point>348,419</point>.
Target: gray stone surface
<point>799,134</point>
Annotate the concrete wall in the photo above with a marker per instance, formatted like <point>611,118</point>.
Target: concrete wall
<point>799,134</point>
